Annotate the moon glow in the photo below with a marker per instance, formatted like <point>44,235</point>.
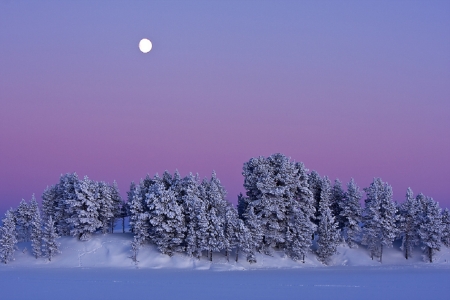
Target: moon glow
<point>145,45</point>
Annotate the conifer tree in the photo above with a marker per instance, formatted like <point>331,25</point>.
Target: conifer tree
<point>336,199</point>
<point>327,230</point>
<point>49,202</point>
<point>49,240</point>
<point>85,210</point>
<point>213,195</point>
<point>408,227</point>
<point>103,197</point>
<point>231,228</point>
<point>194,214</point>
<point>446,227</point>
<point>244,242</point>
<point>315,186</point>
<point>23,221</point>
<point>272,185</point>
<point>351,213</point>
<point>167,219</point>
<point>253,224</point>
<point>139,219</point>
<point>380,218</point>
<point>8,239</point>
<point>117,206</point>
<point>35,228</point>
<point>64,210</point>
<point>430,229</point>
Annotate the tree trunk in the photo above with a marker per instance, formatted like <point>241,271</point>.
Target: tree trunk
<point>112,226</point>
<point>123,224</point>
<point>381,254</point>
<point>406,247</point>
<point>237,254</point>
<point>226,254</point>
<point>430,254</point>
<point>303,258</point>
<point>210,255</point>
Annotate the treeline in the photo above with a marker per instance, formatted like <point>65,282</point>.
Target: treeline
<point>285,208</point>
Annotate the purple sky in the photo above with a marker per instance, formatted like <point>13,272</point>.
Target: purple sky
<point>351,88</point>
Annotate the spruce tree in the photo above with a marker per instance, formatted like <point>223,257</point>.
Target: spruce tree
<point>166,217</point>
<point>430,229</point>
<point>64,210</point>
<point>23,221</point>
<point>351,213</point>
<point>49,202</point>
<point>213,195</point>
<point>189,199</point>
<point>105,203</point>
<point>139,219</point>
<point>336,199</point>
<point>49,240</point>
<point>117,206</point>
<point>244,241</point>
<point>8,238</point>
<point>329,234</point>
<point>85,210</point>
<point>446,227</point>
<point>272,185</point>
<point>408,227</point>
<point>315,186</point>
<point>35,228</point>
<point>380,218</point>
<point>231,228</point>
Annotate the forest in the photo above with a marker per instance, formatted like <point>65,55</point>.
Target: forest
<point>285,208</point>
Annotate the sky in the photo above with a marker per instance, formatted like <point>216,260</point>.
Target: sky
<point>350,88</point>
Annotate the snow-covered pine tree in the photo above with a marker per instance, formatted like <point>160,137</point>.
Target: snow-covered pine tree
<point>253,224</point>
<point>242,205</point>
<point>189,197</point>
<point>213,196</point>
<point>351,212</point>
<point>85,210</point>
<point>49,202</point>
<point>300,227</point>
<point>23,221</point>
<point>408,228</point>
<point>298,236</point>
<point>272,184</point>
<point>49,239</point>
<point>446,227</point>
<point>244,241</point>
<point>102,196</point>
<point>64,210</point>
<point>117,206</point>
<point>8,239</point>
<point>315,186</point>
<point>329,234</point>
<point>336,199</point>
<point>231,228</point>
<point>35,228</point>
<point>123,214</point>
<point>430,229</point>
<point>167,219</point>
<point>139,218</point>
<point>380,218</point>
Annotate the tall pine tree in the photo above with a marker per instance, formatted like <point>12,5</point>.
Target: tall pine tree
<point>380,218</point>
<point>329,234</point>
<point>351,212</point>
<point>8,239</point>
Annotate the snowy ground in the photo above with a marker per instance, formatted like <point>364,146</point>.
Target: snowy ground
<point>101,269</point>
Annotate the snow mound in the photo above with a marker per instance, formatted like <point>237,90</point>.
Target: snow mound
<point>114,251</point>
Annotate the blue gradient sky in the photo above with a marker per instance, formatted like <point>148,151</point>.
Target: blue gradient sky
<point>351,88</point>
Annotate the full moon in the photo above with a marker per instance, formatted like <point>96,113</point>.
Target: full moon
<point>145,45</point>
